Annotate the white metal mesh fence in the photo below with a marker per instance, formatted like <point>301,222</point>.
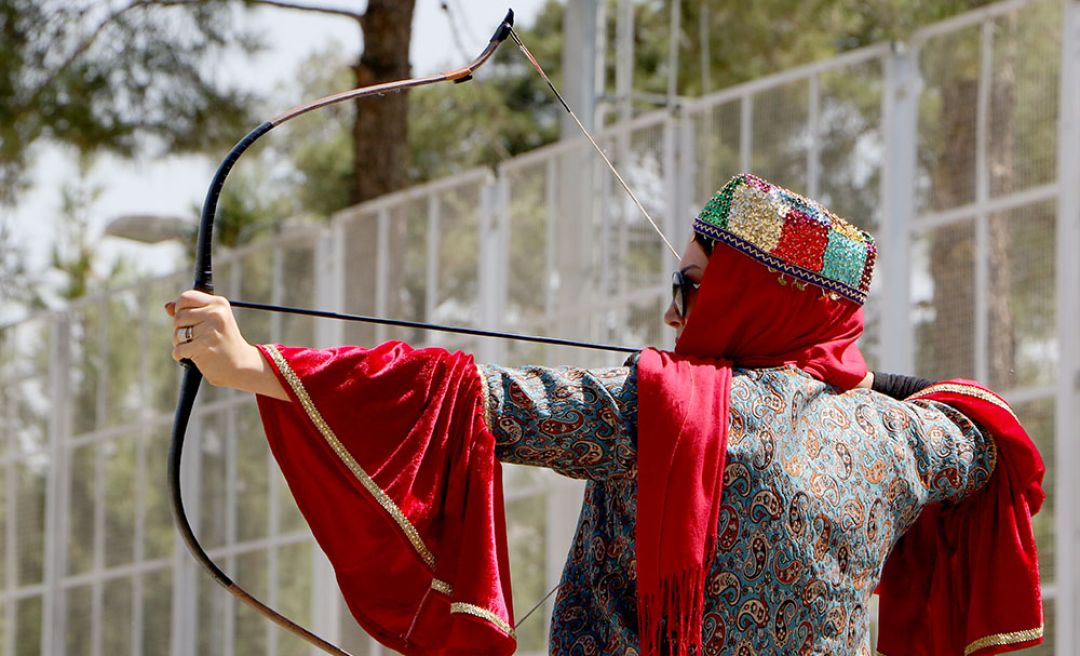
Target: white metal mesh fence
<point>946,148</point>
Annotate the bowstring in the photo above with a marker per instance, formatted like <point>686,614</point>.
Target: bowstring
<point>540,69</point>
<point>603,156</point>
<point>537,606</point>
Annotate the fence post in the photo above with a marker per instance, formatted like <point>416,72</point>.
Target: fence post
<point>382,271</point>
<point>901,113</point>
<point>330,282</point>
<point>329,270</point>
<point>1067,405</point>
<point>493,266</point>
<point>54,529</point>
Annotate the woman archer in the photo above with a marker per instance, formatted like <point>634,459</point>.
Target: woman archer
<point>746,493</point>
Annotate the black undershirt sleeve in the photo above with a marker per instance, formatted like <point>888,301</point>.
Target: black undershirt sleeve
<point>898,386</point>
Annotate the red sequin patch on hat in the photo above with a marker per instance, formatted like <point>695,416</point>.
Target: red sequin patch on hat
<point>803,241</point>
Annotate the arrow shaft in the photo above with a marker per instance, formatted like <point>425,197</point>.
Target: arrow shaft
<point>459,330</point>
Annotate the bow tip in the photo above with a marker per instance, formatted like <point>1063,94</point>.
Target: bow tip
<point>505,27</point>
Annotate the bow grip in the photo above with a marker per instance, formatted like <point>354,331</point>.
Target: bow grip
<point>207,287</point>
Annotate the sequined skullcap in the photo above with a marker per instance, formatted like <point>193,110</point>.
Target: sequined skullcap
<point>791,234</point>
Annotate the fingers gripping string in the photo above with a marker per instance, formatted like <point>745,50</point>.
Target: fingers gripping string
<point>626,187</point>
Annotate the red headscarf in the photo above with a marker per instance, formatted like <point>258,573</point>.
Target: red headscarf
<point>742,316</point>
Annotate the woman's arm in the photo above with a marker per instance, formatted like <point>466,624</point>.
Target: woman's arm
<point>581,423</point>
<point>216,346</point>
<point>953,456</point>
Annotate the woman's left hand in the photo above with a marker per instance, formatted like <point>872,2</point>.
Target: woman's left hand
<point>205,332</point>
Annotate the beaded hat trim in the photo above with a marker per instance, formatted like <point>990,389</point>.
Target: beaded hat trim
<point>792,234</point>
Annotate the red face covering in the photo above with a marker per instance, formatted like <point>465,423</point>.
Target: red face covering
<point>741,316</point>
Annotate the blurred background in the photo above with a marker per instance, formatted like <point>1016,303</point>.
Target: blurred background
<point>950,130</point>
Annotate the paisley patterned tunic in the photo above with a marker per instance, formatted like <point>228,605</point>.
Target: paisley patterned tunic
<point>819,485</point>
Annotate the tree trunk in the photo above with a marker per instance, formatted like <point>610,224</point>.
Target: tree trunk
<point>952,249</point>
<point>1001,368</point>
<point>380,148</point>
<point>380,154</point>
<point>952,351</point>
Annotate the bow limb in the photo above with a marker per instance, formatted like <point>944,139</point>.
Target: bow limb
<point>189,388</point>
<point>192,378</point>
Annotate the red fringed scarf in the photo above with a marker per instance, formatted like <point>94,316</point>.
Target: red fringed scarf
<point>389,459</point>
<point>741,317</point>
<point>965,578</point>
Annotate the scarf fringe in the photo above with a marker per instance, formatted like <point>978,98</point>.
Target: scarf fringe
<point>669,620</point>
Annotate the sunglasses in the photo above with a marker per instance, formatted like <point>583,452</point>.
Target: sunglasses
<point>681,286</point>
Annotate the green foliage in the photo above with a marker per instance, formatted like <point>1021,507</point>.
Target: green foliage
<point>144,71</point>
<point>18,284</point>
<point>748,40</point>
<point>318,146</point>
<point>245,209</point>
<point>506,111</point>
<point>73,254</point>
<point>102,75</point>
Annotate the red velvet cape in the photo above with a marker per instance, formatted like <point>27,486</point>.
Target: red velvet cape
<point>743,316</point>
<point>965,578</point>
<point>390,461</point>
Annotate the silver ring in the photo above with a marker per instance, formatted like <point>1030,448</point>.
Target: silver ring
<point>185,335</point>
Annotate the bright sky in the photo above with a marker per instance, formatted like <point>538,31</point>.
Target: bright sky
<point>172,186</point>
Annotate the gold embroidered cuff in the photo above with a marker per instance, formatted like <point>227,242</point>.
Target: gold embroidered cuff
<point>442,586</point>
<point>1011,638</point>
<point>485,398</point>
<point>966,390</point>
<point>484,614</point>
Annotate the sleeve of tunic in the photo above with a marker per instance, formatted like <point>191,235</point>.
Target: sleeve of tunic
<point>951,457</point>
<point>960,455</point>
<point>582,423</point>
